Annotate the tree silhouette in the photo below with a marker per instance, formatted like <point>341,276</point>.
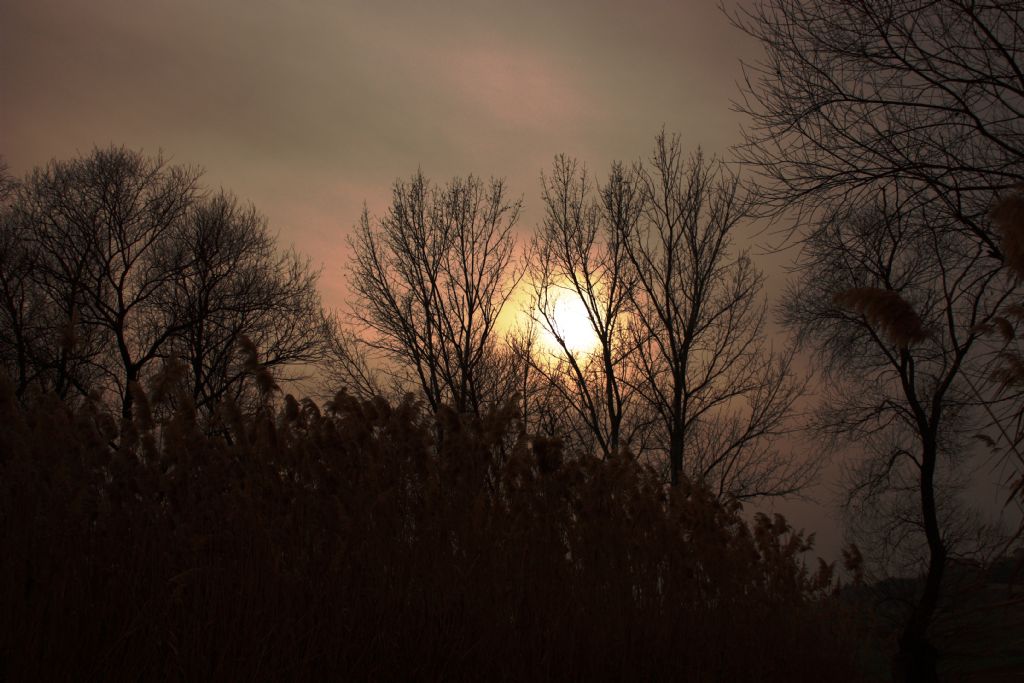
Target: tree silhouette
<point>721,394</point>
<point>578,255</point>
<point>898,315</point>
<point>236,285</point>
<point>681,371</point>
<point>888,129</point>
<point>430,279</point>
<point>101,229</point>
<point>114,264</point>
<point>922,96</point>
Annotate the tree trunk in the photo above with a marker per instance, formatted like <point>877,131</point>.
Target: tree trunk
<point>675,454</point>
<point>916,660</point>
<point>128,400</point>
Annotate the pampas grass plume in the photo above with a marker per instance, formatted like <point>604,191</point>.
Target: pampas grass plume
<point>886,310</point>
<point>264,379</point>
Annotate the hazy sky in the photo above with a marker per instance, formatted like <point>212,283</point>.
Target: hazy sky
<point>309,108</point>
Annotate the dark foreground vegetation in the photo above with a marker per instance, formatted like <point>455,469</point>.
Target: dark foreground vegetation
<point>370,541</point>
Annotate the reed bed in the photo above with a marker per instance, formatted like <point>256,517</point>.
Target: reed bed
<point>371,541</point>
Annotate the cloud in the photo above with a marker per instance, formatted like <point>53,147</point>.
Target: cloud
<point>516,88</point>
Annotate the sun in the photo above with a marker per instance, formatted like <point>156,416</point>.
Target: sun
<point>570,321</point>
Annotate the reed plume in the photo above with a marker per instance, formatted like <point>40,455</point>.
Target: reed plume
<point>887,311</point>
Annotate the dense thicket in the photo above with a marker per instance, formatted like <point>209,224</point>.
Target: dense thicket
<point>348,544</point>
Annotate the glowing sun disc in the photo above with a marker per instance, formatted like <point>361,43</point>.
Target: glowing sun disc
<point>571,322</point>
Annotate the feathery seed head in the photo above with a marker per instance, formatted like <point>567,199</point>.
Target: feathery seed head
<point>886,310</point>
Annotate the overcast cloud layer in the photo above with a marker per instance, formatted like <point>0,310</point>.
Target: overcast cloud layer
<point>309,108</point>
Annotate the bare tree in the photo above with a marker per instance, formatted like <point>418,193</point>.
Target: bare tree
<point>897,312</point>
<point>579,256</point>
<point>923,95</point>
<point>721,395</point>
<point>890,128</point>
<point>19,303</point>
<point>430,279</point>
<point>544,409</point>
<point>114,263</point>
<point>347,365</point>
<point>102,230</point>
<point>237,284</point>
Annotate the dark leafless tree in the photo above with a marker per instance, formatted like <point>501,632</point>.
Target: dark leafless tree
<point>680,369</point>
<point>908,112</point>
<point>579,256</point>
<point>237,284</point>
<point>721,395</point>
<point>123,265</point>
<point>19,308</point>
<point>924,95</point>
<point>431,277</point>
<point>102,231</point>
<point>897,311</point>
<point>347,364</point>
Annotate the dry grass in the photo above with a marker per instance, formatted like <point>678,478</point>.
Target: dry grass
<point>351,545</point>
